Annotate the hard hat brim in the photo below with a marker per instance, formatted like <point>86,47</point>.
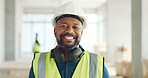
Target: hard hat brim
<point>55,19</point>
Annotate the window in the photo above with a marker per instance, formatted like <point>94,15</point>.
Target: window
<point>91,33</point>
<point>37,23</point>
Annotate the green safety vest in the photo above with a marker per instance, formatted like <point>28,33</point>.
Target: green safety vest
<point>89,66</point>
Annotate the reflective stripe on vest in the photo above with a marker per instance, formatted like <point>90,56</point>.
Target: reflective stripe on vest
<point>93,66</point>
<point>90,66</point>
<point>42,65</point>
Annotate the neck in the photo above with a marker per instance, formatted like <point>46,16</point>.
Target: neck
<point>66,54</point>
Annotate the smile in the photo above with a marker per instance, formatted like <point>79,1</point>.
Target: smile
<point>69,38</point>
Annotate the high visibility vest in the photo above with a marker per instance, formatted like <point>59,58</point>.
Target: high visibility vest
<point>89,66</point>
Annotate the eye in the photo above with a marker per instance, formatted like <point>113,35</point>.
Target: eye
<point>63,26</point>
<point>76,27</point>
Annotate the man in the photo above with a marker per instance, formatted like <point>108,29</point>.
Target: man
<point>68,59</point>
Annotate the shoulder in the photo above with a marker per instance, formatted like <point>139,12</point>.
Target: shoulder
<point>31,74</point>
<point>105,72</point>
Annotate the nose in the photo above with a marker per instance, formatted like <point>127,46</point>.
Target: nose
<point>69,29</point>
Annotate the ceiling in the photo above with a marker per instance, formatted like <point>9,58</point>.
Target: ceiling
<point>86,4</point>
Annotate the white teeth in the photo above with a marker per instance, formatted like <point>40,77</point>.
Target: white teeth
<point>69,37</point>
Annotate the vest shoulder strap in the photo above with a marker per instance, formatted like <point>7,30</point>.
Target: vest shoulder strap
<point>94,65</point>
<point>41,65</point>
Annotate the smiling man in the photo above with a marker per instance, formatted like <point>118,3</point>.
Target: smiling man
<point>68,59</point>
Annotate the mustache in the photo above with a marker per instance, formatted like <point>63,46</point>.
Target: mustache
<point>68,34</point>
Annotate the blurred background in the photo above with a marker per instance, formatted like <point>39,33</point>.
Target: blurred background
<point>117,30</point>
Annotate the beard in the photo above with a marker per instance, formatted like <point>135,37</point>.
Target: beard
<point>65,46</point>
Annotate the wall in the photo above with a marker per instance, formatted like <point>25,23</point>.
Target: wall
<point>18,22</point>
<point>2,30</point>
<point>144,29</point>
<point>23,58</point>
<point>118,26</point>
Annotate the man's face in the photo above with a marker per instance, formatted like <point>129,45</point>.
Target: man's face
<point>68,32</point>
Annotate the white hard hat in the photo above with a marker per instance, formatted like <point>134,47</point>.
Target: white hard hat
<point>69,9</point>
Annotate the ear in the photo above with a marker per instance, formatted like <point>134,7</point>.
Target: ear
<point>81,32</point>
<point>55,32</point>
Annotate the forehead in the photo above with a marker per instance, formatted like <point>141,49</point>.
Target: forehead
<point>68,20</point>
